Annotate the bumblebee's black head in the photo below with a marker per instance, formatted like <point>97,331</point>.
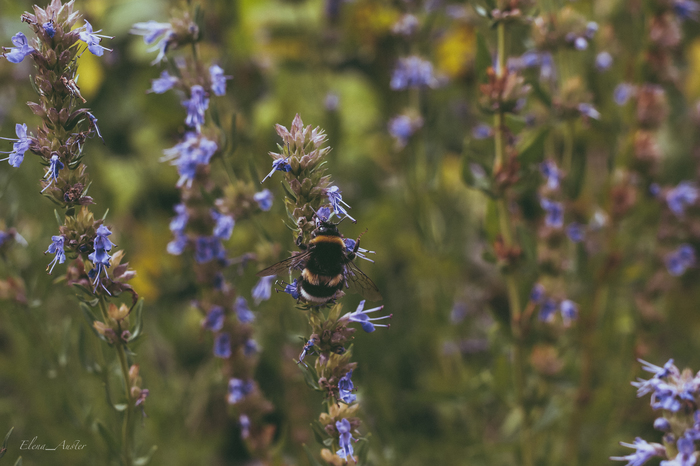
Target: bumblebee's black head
<point>325,229</point>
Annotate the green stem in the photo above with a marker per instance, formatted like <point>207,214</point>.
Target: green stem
<point>506,230</point>
<point>121,354</point>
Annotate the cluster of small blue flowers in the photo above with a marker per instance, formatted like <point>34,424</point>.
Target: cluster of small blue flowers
<point>202,227</point>
<point>402,127</point>
<point>678,261</point>
<point>676,393</point>
<point>549,306</point>
<point>413,73</point>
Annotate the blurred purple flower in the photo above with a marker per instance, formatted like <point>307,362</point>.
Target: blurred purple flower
<point>251,347</point>
<point>163,84</point>
<point>178,245</point>
<point>208,248</point>
<point>686,9</point>
<point>554,213</point>
<point>683,195</point>
<point>549,307</point>
<point>413,72</point>
<point>152,31</point>
<point>262,290</point>
<point>603,61</point>
<point>196,105</point>
<point>224,225</point>
<point>622,93</point>
<point>244,421</point>
<point>239,389</point>
<point>245,315</point>
<point>644,452</point>
<point>218,80</point>
<point>549,170</point>
<point>264,199</point>
<point>575,232</point>
<point>214,320</point>
<point>569,311</point>
<point>679,260</point>
<point>589,111</point>
<point>222,346</point>
<point>482,131</point>
<point>402,127</point>
<point>537,293</point>
<point>194,150</point>
<point>179,222</point>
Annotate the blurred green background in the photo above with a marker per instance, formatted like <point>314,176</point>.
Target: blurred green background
<point>434,388</point>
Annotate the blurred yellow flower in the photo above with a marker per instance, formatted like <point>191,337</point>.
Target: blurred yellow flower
<point>692,82</point>
<point>455,51</point>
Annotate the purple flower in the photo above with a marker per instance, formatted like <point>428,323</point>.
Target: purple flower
<point>547,71</point>
<point>345,439</point>
<point>218,80</point>
<point>49,28</point>
<point>307,347</point>
<point>93,124</point>
<point>644,452</point>
<point>262,290</point>
<point>196,105</point>
<point>407,25</point>
<point>685,457</point>
<point>331,102</point>
<point>214,320</point>
<point>685,194</point>
<point>662,424</point>
<point>194,150</point>
<point>554,216</point>
<point>239,389</point>
<point>345,388</point>
<point>654,189</point>
<point>530,59</point>
<point>603,61</point>
<point>251,347</point>
<point>19,147</point>
<point>575,232</point>
<point>245,315</point>
<point>402,127</point>
<point>281,165</point>
<point>549,307</point>
<point>589,111</point>
<point>179,222</point>
<point>21,50</point>
<point>336,199</point>
<point>99,257</point>
<point>56,247</point>
<point>152,31</point>
<point>264,199</point>
<point>350,246</point>
<point>622,93</point>
<point>580,43</point>
<point>482,131</point>
<point>569,311</point>
<point>52,173</point>
<point>551,173</point>
<point>413,72</point>
<point>244,421</point>
<point>364,320</point>
<point>591,29</point>
<point>208,248</point>
<point>679,260</point>
<point>537,293</point>
<point>176,246</point>
<point>92,39</point>
<point>686,9</point>
<point>222,346</point>
<point>163,84</point>
<point>293,289</point>
<point>224,225</point>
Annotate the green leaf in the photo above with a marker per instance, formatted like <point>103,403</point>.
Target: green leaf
<point>328,442</point>
<point>145,459</point>
<point>528,242</point>
<point>108,437</point>
<point>137,311</point>
<point>82,351</point>
<point>482,62</point>
<point>59,220</point>
<point>574,180</point>
<point>90,319</point>
<point>105,215</point>
<point>319,434</point>
<point>532,150</point>
<point>310,376</point>
<point>3,449</point>
<point>19,461</point>
<point>310,455</point>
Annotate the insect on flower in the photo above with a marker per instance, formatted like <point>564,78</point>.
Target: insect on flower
<point>327,266</point>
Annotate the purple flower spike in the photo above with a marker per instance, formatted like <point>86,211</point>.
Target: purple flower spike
<point>364,320</point>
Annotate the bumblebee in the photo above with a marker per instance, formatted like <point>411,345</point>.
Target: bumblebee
<point>327,266</point>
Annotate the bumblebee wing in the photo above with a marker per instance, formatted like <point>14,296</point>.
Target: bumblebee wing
<point>358,282</point>
<point>281,268</point>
